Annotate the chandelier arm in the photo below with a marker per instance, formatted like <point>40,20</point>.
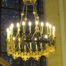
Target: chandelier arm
<point>22,14</point>
<point>33,35</point>
<point>35,10</point>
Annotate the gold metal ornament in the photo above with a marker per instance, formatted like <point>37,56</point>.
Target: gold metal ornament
<point>42,38</point>
<point>28,2</point>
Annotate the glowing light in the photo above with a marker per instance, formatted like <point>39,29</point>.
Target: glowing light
<point>36,22</point>
<point>53,31</point>
<point>8,33</point>
<point>12,25</point>
<point>53,27</point>
<point>29,23</point>
<point>47,24</point>
<point>35,39</point>
<point>7,30</point>
<point>23,23</point>
<point>42,24</point>
<point>17,24</point>
<point>50,25</point>
<point>14,38</point>
<point>46,36</point>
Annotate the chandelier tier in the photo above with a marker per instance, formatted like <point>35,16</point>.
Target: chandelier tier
<point>29,39</point>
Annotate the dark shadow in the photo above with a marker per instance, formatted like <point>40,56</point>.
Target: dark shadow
<point>42,61</point>
<point>1,65</point>
<point>18,62</point>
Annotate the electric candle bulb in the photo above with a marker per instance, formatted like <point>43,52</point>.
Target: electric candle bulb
<point>37,22</point>
<point>17,24</point>
<point>35,39</point>
<point>50,25</point>
<point>29,26</point>
<point>36,25</point>
<point>8,33</point>
<point>47,24</point>
<point>12,25</point>
<point>18,28</point>
<point>29,23</point>
<point>42,24</point>
<point>13,38</point>
<point>53,27</point>
<point>46,36</point>
<point>7,30</point>
<point>11,28</point>
<point>53,31</point>
<point>23,23</point>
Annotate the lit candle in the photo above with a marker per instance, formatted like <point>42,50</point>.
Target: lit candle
<point>46,36</point>
<point>29,26</point>
<point>36,23</point>
<point>11,28</point>
<point>23,24</point>
<point>14,38</point>
<point>8,33</point>
<point>42,25</point>
<point>53,32</point>
<point>18,28</point>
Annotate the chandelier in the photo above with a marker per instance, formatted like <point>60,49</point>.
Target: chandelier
<point>27,39</point>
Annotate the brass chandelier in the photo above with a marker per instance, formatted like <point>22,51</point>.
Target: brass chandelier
<point>24,42</point>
